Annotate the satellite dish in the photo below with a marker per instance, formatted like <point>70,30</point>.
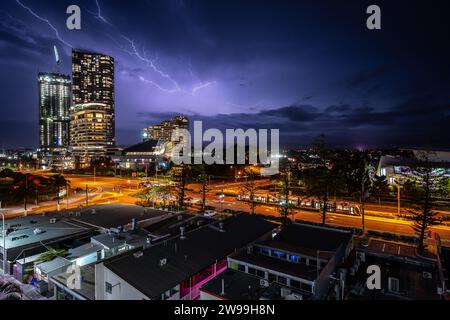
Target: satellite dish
<point>58,60</point>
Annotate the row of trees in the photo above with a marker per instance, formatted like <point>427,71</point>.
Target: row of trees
<point>25,186</point>
<point>353,175</point>
<point>337,173</point>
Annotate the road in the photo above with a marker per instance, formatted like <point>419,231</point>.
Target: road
<point>122,190</point>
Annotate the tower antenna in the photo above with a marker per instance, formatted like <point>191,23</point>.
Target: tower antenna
<point>57,58</point>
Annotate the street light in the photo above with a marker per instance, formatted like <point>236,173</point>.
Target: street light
<point>398,184</point>
<point>4,240</point>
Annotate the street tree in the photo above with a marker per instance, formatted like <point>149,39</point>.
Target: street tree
<point>379,187</point>
<point>179,175</point>
<point>58,181</point>
<point>421,212</point>
<point>325,178</point>
<point>249,188</point>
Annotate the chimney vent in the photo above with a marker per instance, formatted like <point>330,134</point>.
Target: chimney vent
<point>223,287</point>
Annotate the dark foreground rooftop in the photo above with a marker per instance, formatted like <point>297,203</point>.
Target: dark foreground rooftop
<point>235,285</point>
<point>185,258</point>
<point>303,238</point>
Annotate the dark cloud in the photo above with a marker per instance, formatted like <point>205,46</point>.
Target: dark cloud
<point>305,67</point>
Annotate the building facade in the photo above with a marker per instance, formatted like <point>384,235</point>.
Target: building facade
<point>93,90</point>
<point>54,117</point>
<point>166,130</point>
<point>89,127</point>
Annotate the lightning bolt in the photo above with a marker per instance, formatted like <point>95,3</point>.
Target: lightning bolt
<point>150,62</point>
<point>157,85</point>
<point>98,15</point>
<point>46,21</point>
<point>203,86</point>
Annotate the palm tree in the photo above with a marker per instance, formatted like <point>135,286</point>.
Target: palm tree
<point>51,254</point>
<point>58,181</point>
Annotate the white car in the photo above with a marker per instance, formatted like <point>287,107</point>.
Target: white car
<point>209,213</point>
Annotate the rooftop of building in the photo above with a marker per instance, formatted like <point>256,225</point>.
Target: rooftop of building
<point>35,229</point>
<point>171,226</point>
<point>144,147</point>
<point>53,265</point>
<point>87,288</point>
<point>243,286</point>
<point>184,258</point>
<point>83,250</point>
<point>31,231</point>
<point>299,270</point>
<point>113,215</point>
<point>109,241</point>
<point>416,280</point>
<point>308,239</point>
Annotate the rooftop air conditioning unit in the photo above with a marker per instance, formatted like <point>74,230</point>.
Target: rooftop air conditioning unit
<point>38,231</point>
<point>294,296</point>
<point>162,262</point>
<point>427,275</point>
<point>138,254</point>
<point>264,283</point>
<point>52,220</point>
<point>285,292</point>
<point>361,256</point>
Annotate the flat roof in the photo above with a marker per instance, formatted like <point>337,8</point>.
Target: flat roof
<point>171,225</point>
<point>24,228</point>
<point>109,241</point>
<point>184,258</point>
<point>308,239</point>
<point>243,286</point>
<point>83,250</point>
<point>87,289</point>
<point>115,215</point>
<point>55,264</point>
<point>299,270</point>
<point>238,286</point>
<point>146,146</point>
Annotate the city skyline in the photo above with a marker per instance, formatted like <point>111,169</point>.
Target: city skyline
<point>314,69</point>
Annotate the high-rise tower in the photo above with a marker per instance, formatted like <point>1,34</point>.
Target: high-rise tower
<point>93,82</point>
<point>54,116</point>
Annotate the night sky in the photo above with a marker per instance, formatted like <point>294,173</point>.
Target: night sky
<point>305,67</point>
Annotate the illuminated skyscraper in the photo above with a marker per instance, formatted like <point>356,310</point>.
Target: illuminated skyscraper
<point>88,131</point>
<point>93,83</point>
<point>54,117</point>
<point>166,130</point>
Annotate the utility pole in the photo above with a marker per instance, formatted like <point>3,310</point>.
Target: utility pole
<point>67,197</point>
<point>4,242</point>
<point>95,168</point>
<point>87,201</point>
<point>397,182</point>
<point>363,202</point>
<point>26,193</point>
